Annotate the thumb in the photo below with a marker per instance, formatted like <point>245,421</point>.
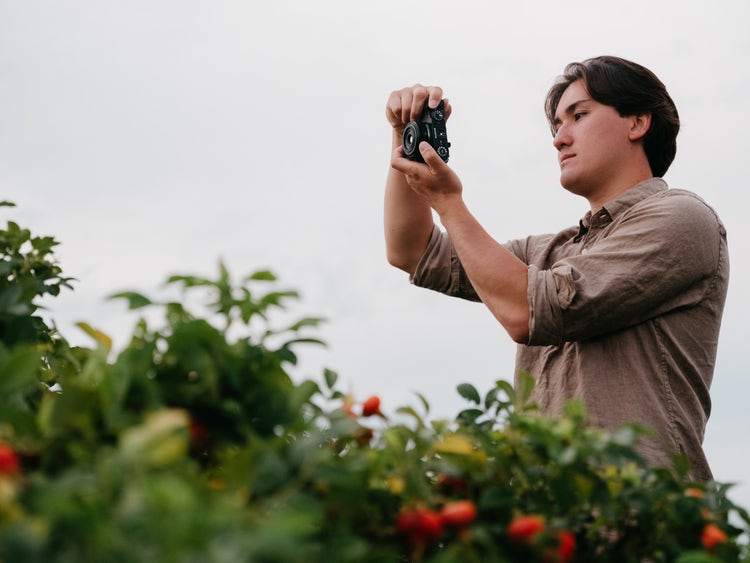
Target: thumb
<point>431,157</point>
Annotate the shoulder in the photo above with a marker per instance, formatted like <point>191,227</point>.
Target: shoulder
<point>673,223</point>
<point>678,208</point>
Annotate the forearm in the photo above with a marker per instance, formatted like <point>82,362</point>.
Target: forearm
<point>408,220</point>
<point>499,277</point>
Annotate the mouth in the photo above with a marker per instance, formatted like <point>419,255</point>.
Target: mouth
<point>564,157</point>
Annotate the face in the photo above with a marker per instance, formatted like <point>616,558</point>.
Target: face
<point>592,141</point>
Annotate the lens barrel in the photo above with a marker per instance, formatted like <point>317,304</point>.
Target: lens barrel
<point>411,140</point>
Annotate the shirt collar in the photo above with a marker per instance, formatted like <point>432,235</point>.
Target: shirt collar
<point>625,201</point>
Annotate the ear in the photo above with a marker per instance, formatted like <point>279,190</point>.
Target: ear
<point>639,126</point>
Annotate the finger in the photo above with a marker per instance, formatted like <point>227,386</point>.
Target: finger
<point>420,95</point>
<point>435,95</point>
<point>406,101</point>
<point>393,108</point>
<point>399,106</point>
<point>431,157</point>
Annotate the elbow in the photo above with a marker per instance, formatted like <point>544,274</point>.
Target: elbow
<point>518,328</point>
<point>402,262</point>
<point>514,317</point>
<point>519,336</point>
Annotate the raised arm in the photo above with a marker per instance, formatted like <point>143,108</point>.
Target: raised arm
<point>407,215</point>
<point>499,277</point>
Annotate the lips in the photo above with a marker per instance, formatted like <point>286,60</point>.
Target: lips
<point>566,156</point>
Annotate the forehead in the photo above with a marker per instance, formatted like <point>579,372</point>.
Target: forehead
<point>576,92</point>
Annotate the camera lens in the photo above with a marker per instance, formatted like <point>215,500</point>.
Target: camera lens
<point>411,140</point>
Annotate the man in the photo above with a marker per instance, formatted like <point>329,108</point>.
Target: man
<point>623,310</point>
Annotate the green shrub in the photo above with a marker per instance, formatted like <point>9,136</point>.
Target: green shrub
<point>193,443</point>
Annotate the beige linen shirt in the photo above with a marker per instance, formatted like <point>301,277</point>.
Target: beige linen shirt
<point>625,311</point>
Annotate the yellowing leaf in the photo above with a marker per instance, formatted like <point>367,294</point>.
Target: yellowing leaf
<point>96,334</point>
<point>396,484</point>
<point>454,444</point>
<point>159,440</point>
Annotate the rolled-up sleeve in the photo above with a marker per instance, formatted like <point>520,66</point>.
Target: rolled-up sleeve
<point>440,269</point>
<point>549,293</point>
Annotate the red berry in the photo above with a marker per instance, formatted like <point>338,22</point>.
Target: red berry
<point>711,536</point>
<point>406,521</point>
<point>371,406</point>
<point>429,524</point>
<point>8,460</point>
<point>419,525</point>
<point>458,514</point>
<point>694,492</point>
<point>522,529</point>
<point>566,546</point>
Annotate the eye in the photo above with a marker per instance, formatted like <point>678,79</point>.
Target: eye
<point>578,115</point>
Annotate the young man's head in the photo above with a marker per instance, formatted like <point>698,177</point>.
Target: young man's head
<point>632,90</point>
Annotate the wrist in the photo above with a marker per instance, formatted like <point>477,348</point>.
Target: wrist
<point>449,207</point>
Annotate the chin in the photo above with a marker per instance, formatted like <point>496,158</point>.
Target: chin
<point>573,186</point>
<point>568,183</point>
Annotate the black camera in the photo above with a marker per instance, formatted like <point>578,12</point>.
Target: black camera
<point>430,128</point>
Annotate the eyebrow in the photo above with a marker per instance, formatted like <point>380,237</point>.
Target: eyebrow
<point>571,109</point>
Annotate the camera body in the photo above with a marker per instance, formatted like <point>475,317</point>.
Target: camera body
<point>430,128</point>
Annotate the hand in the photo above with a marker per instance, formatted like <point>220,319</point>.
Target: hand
<point>434,180</point>
<point>406,105</point>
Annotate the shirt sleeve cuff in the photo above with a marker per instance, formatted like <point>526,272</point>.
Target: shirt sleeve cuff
<point>550,292</point>
<point>434,268</point>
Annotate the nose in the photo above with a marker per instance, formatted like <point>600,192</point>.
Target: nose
<point>562,138</point>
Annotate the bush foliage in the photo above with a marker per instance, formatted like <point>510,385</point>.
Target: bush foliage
<point>194,444</point>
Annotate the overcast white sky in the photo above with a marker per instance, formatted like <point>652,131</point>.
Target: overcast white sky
<point>156,137</point>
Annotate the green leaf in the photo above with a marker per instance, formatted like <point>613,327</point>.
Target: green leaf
<point>305,341</point>
<point>331,377</point>
<point>411,412</point>
<point>697,557</point>
<point>301,394</point>
<point>469,392</point>
<point>491,397</point>
<point>135,300</point>
<point>424,402</point>
<point>18,369</point>
<point>524,386</point>
<point>275,298</point>
<point>261,275</point>
<point>504,387</point>
<point>43,245</point>
<point>96,334</point>
<point>190,281</point>
<point>309,321</point>
<point>469,416</point>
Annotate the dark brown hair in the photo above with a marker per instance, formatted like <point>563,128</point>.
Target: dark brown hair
<point>632,90</point>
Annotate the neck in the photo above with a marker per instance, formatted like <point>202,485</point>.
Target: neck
<point>600,197</point>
